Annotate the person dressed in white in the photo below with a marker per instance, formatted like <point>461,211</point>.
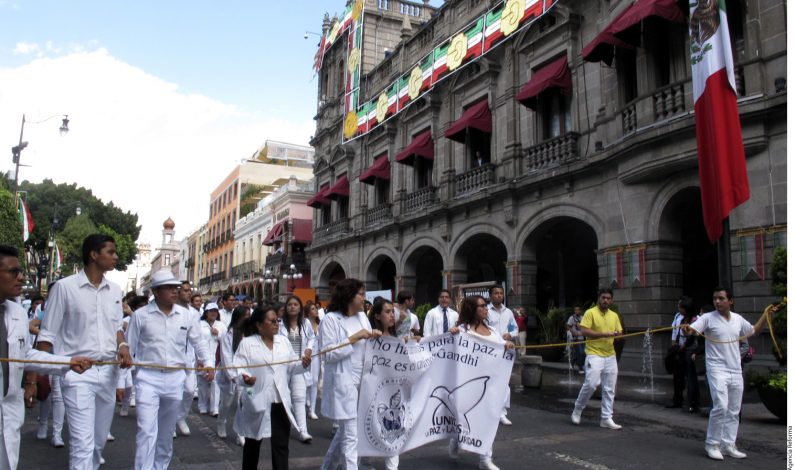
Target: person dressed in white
<point>408,324</point>
<point>15,344</point>
<point>158,334</point>
<point>723,329</point>
<point>125,387</point>
<point>265,404</point>
<point>212,333</point>
<point>84,318</point>
<point>184,299</point>
<point>227,386</point>
<point>345,324</point>
<point>474,321</point>
<point>227,307</point>
<point>310,312</point>
<point>441,318</point>
<point>299,332</point>
<point>502,321</point>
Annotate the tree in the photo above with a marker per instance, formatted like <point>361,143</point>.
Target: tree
<point>10,225</point>
<point>125,246</point>
<point>70,240</point>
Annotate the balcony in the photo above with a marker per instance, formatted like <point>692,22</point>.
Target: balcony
<point>552,153</point>
<point>276,259</point>
<point>332,230</point>
<point>218,277</point>
<point>474,179</point>
<point>669,101</point>
<point>629,119</point>
<point>378,215</point>
<point>419,199</point>
<point>243,271</point>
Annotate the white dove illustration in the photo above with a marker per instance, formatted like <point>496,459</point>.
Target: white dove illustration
<point>462,399</point>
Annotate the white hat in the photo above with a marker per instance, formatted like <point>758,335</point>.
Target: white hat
<point>211,306</point>
<point>164,278</point>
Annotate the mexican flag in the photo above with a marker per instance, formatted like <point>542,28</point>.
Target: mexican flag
<point>403,91</point>
<point>439,62</point>
<point>392,97</point>
<point>426,65</point>
<point>493,31</point>
<point>721,156</point>
<point>532,9</point>
<point>361,116</point>
<point>475,40</point>
<point>27,220</point>
<point>57,258</point>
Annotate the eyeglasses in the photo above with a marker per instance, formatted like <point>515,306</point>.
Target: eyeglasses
<point>13,271</point>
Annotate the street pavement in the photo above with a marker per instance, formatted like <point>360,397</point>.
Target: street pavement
<point>541,437</point>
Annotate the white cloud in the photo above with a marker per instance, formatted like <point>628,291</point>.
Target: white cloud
<point>25,48</point>
<point>134,138</point>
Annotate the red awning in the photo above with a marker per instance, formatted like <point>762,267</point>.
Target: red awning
<point>476,117</point>
<point>627,27</point>
<point>319,199</point>
<point>275,234</point>
<point>553,75</point>
<point>602,47</point>
<point>379,170</point>
<point>421,146</point>
<point>302,231</point>
<point>340,189</point>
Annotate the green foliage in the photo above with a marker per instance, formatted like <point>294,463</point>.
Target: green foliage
<point>71,238</point>
<point>10,226</point>
<point>249,196</point>
<point>551,323</point>
<point>778,271</point>
<point>421,311</point>
<point>769,379</point>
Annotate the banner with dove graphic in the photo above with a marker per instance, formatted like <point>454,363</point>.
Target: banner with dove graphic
<point>446,386</point>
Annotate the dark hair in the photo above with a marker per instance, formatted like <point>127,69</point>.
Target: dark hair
<point>729,293</point>
<point>404,296</point>
<point>204,315</point>
<point>7,250</point>
<point>378,307</point>
<point>491,290</point>
<point>445,290</point>
<point>36,296</point>
<point>343,294</point>
<point>238,313</point>
<point>257,316</point>
<point>94,242</point>
<point>225,297</point>
<point>604,290</point>
<point>137,302</point>
<point>469,310</point>
<point>687,304</point>
<point>195,295</point>
<point>308,308</point>
<point>300,319</point>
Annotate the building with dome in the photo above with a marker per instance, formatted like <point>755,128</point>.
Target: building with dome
<point>166,256</point>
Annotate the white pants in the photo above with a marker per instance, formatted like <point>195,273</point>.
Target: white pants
<point>726,389</point>
<point>158,398</point>
<point>229,394</point>
<point>209,395</point>
<point>90,399</point>
<point>3,451</point>
<point>599,370</point>
<point>187,395</point>
<point>522,342</point>
<point>298,385</point>
<point>342,450</point>
<point>56,402</point>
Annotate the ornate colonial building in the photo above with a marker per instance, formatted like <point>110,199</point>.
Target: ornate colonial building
<point>560,160</point>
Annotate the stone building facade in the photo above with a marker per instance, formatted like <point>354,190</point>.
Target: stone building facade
<point>572,189</point>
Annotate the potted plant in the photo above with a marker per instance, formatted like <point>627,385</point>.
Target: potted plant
<point>551,330</point>
<point>772,388</point>
<point>421,311</point>
<point>778,273</point>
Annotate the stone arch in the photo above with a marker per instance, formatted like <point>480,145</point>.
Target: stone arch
<point>417,243</point>
<point>380,272</point>
<point>551,212</point>
<point>660,201</point>
<point>497,231</point>
<point>330,272</point>
<point>422,272</point>
<point>481,257</point>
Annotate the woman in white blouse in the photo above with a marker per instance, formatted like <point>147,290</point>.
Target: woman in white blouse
<point>267,392</point>
<point>310,312</point>
<point>299,332</point>
<point>213,330</point>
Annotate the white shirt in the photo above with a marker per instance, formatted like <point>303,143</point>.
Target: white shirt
<point>157,338</point>
<point>225,316</point>
<point>212,340</point>
<point>434,321</point>
<point>502,320</point>
<point>677,334</point>
<point>353,324</point>
<point>82,320</point>
<point>723,356</point>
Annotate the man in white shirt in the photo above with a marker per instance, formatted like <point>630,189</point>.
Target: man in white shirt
<point>15,344</point>
<point>722,329</point>
<point>184,296</point>
<point>502,320</point>
<point>406,321</point>
<point>441,318</point>
<point>159,334</point>
<point>84,316</point>
<point>228,304</point>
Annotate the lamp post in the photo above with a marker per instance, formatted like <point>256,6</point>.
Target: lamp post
<point>292,274</point>
<point>271,280</point>
<point>16,151</point>
<point>307,33</point>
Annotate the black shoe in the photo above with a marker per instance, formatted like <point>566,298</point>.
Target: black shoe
<point>673,405</point>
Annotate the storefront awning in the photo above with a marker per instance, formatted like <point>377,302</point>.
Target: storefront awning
<point>301,231</point>
<point>274,235</point>
<point>553,75</point>
<point>602,47</point>
<point>627,27</point>
<point>477,117</point>
<point>319,199</point>
<point>379,170</point>
<point>421,146</point>
<point>340,189</point>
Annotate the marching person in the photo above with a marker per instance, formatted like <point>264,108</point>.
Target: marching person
<point>343,326</point>
<point>265,404</point>
<point>227,385</point>
<point>84,317</point>
<point>299,332</point>
<point>501,320</point>
<point>599,325</point>
<point>310,312</point>
<point>441,318</point>
<point>408,324</point>
<point>723,329</point>
<point>184,297</point>
<point>158,334</point>
<point>574,335</point>
<point>126,386</point>
<point>15,344</point>
<point>228,305</point>
<point>212,333</point>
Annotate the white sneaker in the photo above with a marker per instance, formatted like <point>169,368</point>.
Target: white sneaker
<point>57,441</point>
<point>41,431</point>
<point>123,411</point>
<point>505,421</point>
<point>305,438</point>
<point>241,441</point>
<point>111,438</point>
<point>183,428</point>
<point>713,452</point>
<point>221,430</point>
<point>334,427</point>
<point>732,451</point>
<point>609,424</point>
<point>487,464</point>
<point>132,401</point>
<point>452,448</point>
<point>174,434</point>
<point>101,460</point>
<point>575,416</point>
<point>311,415</point>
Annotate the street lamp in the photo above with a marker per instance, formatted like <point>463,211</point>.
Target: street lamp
<point>16,151</point>
<point>271,280</point>
<point>307,33</point>
<point>292,274</point>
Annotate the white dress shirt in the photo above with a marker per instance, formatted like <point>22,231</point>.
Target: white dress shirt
<point>225,316</point>
<point>502,320</point>
<point>157,338</point>
<point>82,320</point>
<point>434,321</point>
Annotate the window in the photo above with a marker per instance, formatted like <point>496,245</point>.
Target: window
<point>664,43</point>
<point>168,260</point>
<point>381,191</point>
<point>341,77</point>
<point>342,207</point>
<point>423,171</point>
<point>325,214</point>
<point>555,114</point>
<point>626,67</point>
<point>478,148</point>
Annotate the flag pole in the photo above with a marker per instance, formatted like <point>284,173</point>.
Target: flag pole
<point>725,257</point>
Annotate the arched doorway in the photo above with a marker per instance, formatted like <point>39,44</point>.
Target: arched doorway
<point>682,224</point>
<point>331,275</point>
<point>381,274</point>
<point>480,259</point>
<point>567,271</point>
<point>425,264</point>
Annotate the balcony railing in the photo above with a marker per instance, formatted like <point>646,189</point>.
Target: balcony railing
<point>244,269</point>
<point>552,153</point>
<point>333,229</point>
<point>419,199</point>
<point>378,215</point>
<point>218,276</point>
<point>629,119</point>
<point>669,102</point>
<point>474,179</point>
<point>275,259</point>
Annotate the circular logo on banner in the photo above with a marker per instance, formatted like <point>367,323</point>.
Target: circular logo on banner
<point>353,60</point>
<point>381,107</point>
<point>350,125</point>
<point>415,82</point>
<point>389,419</point>
<point>511,15</point>
<point>456,51</point>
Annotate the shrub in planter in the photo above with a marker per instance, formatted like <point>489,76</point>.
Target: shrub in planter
<point>772,388</point>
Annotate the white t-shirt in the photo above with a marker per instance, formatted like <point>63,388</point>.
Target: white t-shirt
<point>353,324</point>
<point>725,355</point>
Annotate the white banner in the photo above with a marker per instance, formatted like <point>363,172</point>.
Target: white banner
<point>370,295</point>
<point>441,387</point>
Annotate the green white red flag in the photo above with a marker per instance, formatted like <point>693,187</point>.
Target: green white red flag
<point>26,219</point>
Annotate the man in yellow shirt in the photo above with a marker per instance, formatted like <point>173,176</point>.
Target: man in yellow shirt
<point>599,325</point>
